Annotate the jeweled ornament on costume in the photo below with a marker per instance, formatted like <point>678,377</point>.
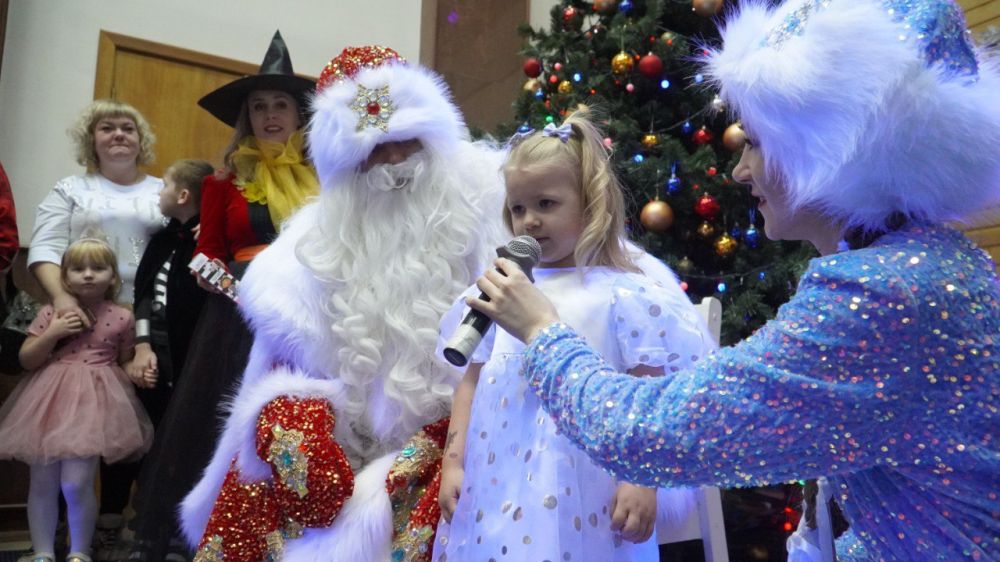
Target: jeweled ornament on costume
<point>291,463</point>
<point>374,107</point>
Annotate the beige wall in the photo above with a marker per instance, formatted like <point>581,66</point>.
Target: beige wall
<point>50,55</point>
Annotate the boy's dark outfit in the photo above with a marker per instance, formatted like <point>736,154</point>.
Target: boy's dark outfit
<point>168,297</point>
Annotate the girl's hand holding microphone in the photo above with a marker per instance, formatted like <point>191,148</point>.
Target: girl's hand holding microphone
<point>515,303</point>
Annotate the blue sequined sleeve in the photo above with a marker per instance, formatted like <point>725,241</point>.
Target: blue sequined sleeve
<point>811,393</point>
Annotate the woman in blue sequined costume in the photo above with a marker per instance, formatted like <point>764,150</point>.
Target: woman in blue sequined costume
<point>881,373</point>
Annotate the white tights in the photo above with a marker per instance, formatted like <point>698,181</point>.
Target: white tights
<point>75,478</point>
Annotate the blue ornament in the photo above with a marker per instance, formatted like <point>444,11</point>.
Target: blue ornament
<point>577,77</point>
<point>625,7</point>
<point>673,185</point>
<point>525,129</point>
<point>664,83</point>
<point>762,275</point>
<point>722,287</point>
<point>686,128</point>
<point>638,158</point>
<point>752,237</point>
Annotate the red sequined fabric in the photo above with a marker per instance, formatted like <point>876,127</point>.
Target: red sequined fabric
<point>352,60</point>
<point>312,478</point>
<point>413,484</point>
<point>243,515</point>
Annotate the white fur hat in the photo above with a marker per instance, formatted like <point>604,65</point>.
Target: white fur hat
<point>866,107</point>
<point>370,95</point>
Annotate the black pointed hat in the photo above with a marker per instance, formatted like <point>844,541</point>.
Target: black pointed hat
<point>275,74</point>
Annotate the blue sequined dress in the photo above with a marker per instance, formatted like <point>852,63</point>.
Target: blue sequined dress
<point>528,493</point>
<point>881,373</point>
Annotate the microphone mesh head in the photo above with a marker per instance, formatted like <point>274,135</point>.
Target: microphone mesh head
<point>527,247</point>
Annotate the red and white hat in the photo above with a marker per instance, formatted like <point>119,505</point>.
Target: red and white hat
<point>370,95</point>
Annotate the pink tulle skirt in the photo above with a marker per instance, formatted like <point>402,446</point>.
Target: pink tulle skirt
<point>69,410</point>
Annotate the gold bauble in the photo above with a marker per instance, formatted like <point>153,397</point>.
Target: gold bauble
<point>622,63</point>
<point>685,266</point>
<point>707,8</point>
<point>734,138</point>
<point>668,38</point>
<point>650,140</point>
<point>532,85</point>
<point>725,245</point>
<point>565,87</point>
<point>706,230</point>
<point>657,216</point>
<point>605,6</point>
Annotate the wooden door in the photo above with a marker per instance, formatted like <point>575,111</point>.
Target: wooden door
<point>165,83</point>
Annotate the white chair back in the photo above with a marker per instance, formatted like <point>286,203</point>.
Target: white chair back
<point>705,521</point>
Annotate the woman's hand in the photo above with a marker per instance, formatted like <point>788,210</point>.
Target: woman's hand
<point>633,512</point>
<point>205,284</point>
<point>515,303</point>
<point>66,304</point>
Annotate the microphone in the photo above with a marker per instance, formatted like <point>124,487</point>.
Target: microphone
<point>523,250</point>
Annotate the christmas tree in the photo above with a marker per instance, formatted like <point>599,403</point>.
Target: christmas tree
<point>674,146</point>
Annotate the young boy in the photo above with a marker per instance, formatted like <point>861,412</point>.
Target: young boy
<point>168,302</point>
<point>167,298</point>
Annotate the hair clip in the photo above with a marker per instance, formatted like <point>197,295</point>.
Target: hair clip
<point>523,132</point>
<point>563,131</point>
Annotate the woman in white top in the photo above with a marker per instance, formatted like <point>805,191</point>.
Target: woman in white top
<point>114,196</point>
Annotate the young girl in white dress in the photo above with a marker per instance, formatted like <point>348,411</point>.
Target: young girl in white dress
<point>511,487</point>
<point>78,405</point>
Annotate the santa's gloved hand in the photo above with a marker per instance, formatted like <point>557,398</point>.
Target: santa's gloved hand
<point>312,477</point>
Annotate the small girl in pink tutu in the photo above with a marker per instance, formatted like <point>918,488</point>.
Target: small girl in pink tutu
<point>78,405</point>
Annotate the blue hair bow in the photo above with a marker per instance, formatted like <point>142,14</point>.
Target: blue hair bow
<point>562,131</point>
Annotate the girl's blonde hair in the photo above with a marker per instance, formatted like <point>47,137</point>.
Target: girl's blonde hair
<point>602,242</point>
<point>93,251</point>
<point>82,132</point>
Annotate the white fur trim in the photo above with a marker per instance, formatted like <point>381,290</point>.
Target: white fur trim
<point>853,119</point>
<point>423,110</point>
<point>362,529</point>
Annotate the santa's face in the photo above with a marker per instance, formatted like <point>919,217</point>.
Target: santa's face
<point>391,153</point>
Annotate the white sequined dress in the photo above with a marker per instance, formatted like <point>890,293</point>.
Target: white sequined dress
<point>528,493</point>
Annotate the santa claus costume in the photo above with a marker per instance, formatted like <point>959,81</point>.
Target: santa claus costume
<point>333,443</point>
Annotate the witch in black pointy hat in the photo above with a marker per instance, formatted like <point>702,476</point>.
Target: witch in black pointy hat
<point>275,74</point>
<point>265,178</point>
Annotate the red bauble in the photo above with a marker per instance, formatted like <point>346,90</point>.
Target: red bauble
<point>707,207</point>
<point>572,18</point>
<point>650,66</point>
<point>702,136</point>
<point>532,68</point>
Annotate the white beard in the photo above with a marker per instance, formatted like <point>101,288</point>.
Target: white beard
<point>394,248</point>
